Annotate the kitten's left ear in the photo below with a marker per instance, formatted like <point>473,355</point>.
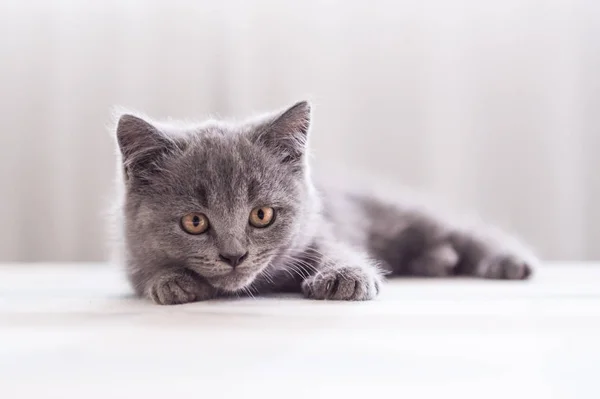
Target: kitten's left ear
<point>286,134</point>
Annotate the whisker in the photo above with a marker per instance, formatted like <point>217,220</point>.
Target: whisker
<point>269,276</point>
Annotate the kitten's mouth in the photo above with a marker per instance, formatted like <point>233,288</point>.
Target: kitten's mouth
<point>233,281</point>
<point>237,279</point>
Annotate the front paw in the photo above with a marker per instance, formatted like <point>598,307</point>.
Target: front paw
<point>179,287</point>
<point>504,267</point>
<point>344,284</point>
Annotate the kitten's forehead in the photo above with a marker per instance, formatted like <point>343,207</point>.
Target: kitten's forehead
<point>225,170</point>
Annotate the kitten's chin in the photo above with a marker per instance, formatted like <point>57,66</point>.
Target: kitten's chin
<point>233,281</point>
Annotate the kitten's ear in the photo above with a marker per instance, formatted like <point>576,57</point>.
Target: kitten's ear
<point>141,145</point>
<point>286,134</point>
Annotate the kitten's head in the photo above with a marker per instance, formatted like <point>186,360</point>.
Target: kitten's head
<point>221,199</point>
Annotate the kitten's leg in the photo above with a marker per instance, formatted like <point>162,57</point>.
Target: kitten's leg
<point>173,287</point>
<point>429,247</point>
<point>492,254</point>
<point>341,273</point>
<point>439,260</point>
<point>421,248</point>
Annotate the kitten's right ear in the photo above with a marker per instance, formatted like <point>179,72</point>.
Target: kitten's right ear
<point>141,145</point>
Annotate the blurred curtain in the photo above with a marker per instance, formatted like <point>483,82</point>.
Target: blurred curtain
<point>492,105</point>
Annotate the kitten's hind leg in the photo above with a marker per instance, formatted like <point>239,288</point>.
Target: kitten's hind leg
<point>431,248</point>
<point>492,254</point>
<point>421,248</point>
<point>437,261</point>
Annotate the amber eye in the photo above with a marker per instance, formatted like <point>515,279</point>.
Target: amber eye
<point>194,223</point>
<point>262,217</point>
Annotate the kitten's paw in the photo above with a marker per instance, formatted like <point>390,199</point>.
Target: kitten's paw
<point>438,261</point>
<point>178,288</point>
<point>344,284</point>
<point>504,267</point>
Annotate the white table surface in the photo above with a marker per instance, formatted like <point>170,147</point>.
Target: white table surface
<point>72,330</point>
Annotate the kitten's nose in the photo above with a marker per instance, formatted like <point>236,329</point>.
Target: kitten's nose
<point>233,259</point>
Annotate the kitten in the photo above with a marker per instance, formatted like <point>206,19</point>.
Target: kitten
<point>221,208</point>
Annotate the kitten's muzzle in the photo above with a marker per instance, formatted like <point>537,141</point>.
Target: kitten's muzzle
<point>233,281</point>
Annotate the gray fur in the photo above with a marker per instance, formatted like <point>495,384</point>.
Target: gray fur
<point>329,240</point>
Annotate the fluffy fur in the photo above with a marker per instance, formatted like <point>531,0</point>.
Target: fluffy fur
<point>328,241</point>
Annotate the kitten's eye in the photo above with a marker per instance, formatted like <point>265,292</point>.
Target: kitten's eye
<point>262,217</point>
<point>194,223</point>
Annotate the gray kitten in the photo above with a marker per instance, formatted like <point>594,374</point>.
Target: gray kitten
<point>222,208</point>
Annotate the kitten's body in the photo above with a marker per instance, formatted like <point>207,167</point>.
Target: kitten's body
<point>331,240</point>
